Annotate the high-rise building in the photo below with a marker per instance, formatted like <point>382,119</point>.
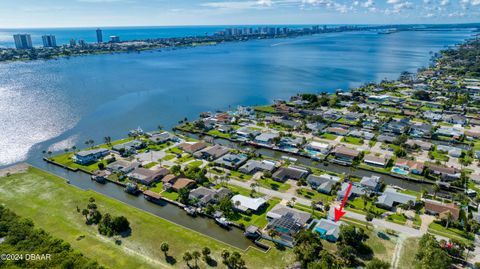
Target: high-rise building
<point>49,41</point>
<point>23,41</point>
<point>81,43</point>
<point>99,35</point>
<point>73,42</point>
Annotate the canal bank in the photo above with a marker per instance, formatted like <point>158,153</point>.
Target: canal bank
<point>163,209</point>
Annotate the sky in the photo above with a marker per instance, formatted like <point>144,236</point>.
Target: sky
<point>93,13</point>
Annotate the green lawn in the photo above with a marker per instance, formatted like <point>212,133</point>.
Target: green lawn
<point>397,218</point>
<point>315,195</point>
<point>185,158</point>
<point>175,150</point>
<point>238,190</point>
<point>274,185</point>
<point>158,187</point>
<point>439,156</point>
<point>150,165</point>
<point>408,252</point>
<point>437,228</point>
<point>170,195</point>
<point>169,157</point>
<point>259,219</point>
<point>66,160</point>
<point>217,133</point>
<point>328,136</point>
<point>357,205</point>
<point>266,109</point>
<point>352,140</point>
<point>239,175</point>
<point>195,163</point>
<point>51,203</point>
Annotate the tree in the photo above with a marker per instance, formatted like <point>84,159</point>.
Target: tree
<point>352,236</point>
<point>196,255</point>
<point>206,254</point>
<point>377,264</point>
<point>369,217</point>
<point>347,253</point>
<point>448,219</point>
<point>187,257</point>
<point>85,214</point>
<point>307,248</point>
<point>164,247</point>
<point>436,189</point>
<point>431,255</point>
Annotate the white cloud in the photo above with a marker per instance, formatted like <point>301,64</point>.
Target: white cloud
<point>393,1</point>
<point>444,2</point>
<point>368,4</point>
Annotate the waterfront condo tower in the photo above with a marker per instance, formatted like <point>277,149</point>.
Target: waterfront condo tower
<point>99,36</point>
<point>49,41</point>
<point>114,39</point>
<point>23,41</point>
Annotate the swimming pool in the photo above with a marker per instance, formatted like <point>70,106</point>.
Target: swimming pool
<point>399,170</point>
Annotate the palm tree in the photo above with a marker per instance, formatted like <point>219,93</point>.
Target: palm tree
<point>206,253</point>
<point>187,257</point>
<point>293,200</point>
<point>436,189</point>
<point>108,140</point>
<point>196,255</point>
<point>365,200</point>
<point>448,219</point>
<point>85,214</point>
<point>164,247</point>
<point>160,127</point>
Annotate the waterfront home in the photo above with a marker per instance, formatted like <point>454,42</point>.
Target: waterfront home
<point>345,154</point>
<point>211,153</point>
<point>328,229</point>
<point>122,166</point>
<point>266,138</point>
<point>391,198</point>
<point>287,221</point>
<point>452,151</point>
<point>441,209</point>
<point>362,134</point>
<point>244,203</point>
<point>292,172</point>
<point>128,148</point>
<point>323,183</point>
<point>375,161</point>
<point>290,142</point>
<point>336,131</point>
<point>319,147</point>
<point>231,160</point>
<point>180,183</point>
<point>371,183</point>
<point>192,147</point>
<point>204,196</point>
<point>247,132</point>
<point>147,176</point>
<point>356,191</point>
<point>445,173</point>
<point>404,166</point>
<point>163,137</point>
<point>89,156</point>
<point>254,166</point>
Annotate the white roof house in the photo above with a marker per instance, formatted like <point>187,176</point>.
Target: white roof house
<point>247,202</point>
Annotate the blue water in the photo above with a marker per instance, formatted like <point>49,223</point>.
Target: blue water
<point>60,103</point>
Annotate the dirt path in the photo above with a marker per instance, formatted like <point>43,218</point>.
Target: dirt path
<point>397,252</point>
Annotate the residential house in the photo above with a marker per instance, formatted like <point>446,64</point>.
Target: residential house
<point>391,198</point>
<point>204,196</point>
<point>455,119</point>
<point>244,203</point>
<point>266,138</point>
<point>397,126</point>
<point>445,173</point>
<point>181,183</point>
<point>345,154</point>
<point>420,130</point>
<point>386,138</point>
<point>322,148</point>
<point>163,137</point>
<point>404,166</point>
<point>424,145</point>
<point>292,172</point>
<point>192,147</point>
<point>328,229</point>
<point>356,191</point>
<point>441,209</point>
<point>254,166</point>
<point>122,166</point>
<point>247,132</point>
<point>231,160</point>
<point>376,161</point>
<point>472,135</point>
<point>89,156</point>
<point>337,131</point>
<point>147,176</point>
<point>452,151</point>
<point>323,183</point>
<point>287,221</point>
<point>371,183</point>
<point>452,132</point>
<point>129,147</point>
<point>279,210</point>
<point>211,153</point>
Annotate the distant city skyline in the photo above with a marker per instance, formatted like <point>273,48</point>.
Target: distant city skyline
<point>103,13</point>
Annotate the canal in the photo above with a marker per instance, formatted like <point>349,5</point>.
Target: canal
<point>162,209</point>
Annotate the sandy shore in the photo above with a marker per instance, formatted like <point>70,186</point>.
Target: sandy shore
<point>17,168</point>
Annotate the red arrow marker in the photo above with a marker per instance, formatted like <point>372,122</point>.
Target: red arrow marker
<point>339,212</point>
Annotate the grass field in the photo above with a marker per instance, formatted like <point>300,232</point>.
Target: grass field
<point>51,203</point>
<point>328,136</point>
<point>315,195</point>
<point>352,140</point>
<point>408,252</point>
<point>274,185</point>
